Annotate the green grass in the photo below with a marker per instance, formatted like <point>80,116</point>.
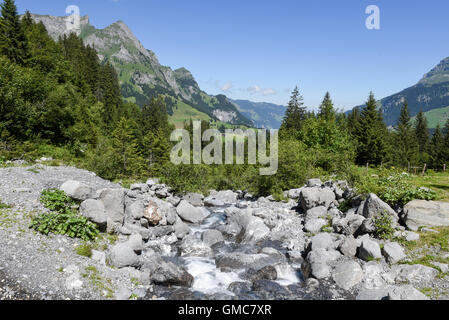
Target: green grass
<point>84,250</point>
<point>437,116</point>
<point>437,181</point>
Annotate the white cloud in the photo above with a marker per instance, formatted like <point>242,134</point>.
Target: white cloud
<point>265,92</point>
<point>226,87</point>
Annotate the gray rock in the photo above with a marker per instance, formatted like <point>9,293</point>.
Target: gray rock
<point>321,241</point>
<point>393,252</point>
<point>314,197</point>
<point>239,260</point>
<point>192,246</point>
<point>374,207</point>
<point>142,187</point>
<point>122,294</point>
<point>317,263</point>
<point>128,229</point>
<point>181,229</point>
<point>121,256</point>
<point>294,193</point>
<point>221,198</point>
<point>407,292</point>
<point>174,201</point>
<point>442,266</point>
<point>76,190</point>
<point>410,236</point>
<point>369,250</point>
<point>135,242</point>
<point>348,246</point>
<point>135,210</point>
<point>195,199</point>
<point>160,231</point>
<point>314,183</point>
<point>420,213</point>
<point>94,211</point>
<point>114,204</point>
<point>373,294</point>
<point>316,213</point>
<point>189,213</point>
<point>315,225</point>
<point>211,237</point>
<point>99,256</point>
<point>413,273</point>
<point>367,226</point>
<point>169,274</point>
<point>255,230</point>
<point>347,274</point>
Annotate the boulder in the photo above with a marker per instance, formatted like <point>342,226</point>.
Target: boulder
<point>421,213</point>
<point>406,292</point>
<point>314,183</point>
<point>314,197</point>
<point>194,247</point>
<point>114,204</point>
<point>393,252</point>
<point>321,241</point>
<point>122,255</point>
<point>195,199</point>
<point>135,210</point>
<point>347,274</point>
<point>181,229</point>
<point>317,263</point>
<point>211,237</point>
<point>221,198</point>
<point>94,211</point>
<point>348,246</point>
<point>240,260</point>
<point>294,193</point>
<point>189,213</point>
<point>152,214</point>
<point>135,242</point>
<point>169,274</point>
<point>416,273</point>
<point>315,225</point>
<point>315,213</point>
<point>374,207</point>
<point>76,190</point>
<point>369,250</point>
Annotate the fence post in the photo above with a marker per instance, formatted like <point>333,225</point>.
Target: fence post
<point>367,167</point>
<point>424,169</point>
<point>408,168</point>
<point>444,167</point>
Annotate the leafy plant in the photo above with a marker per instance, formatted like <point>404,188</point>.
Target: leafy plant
<point>69,224</point>
<point>57,200</point>
<point>384,229</point>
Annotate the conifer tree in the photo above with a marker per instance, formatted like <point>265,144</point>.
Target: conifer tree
<point>13,43</point>
<point>437,149</point>
<point>327,111</point>
<point>405,137</point>
<point>422,135</point>
<point>295,113</point>
<point>353,120</point>
<point>371,132</point>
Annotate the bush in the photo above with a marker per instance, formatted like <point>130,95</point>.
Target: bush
<point>56,200</point>
<point>69,224</point>
<point>62,219</point>
<point>384,229</point>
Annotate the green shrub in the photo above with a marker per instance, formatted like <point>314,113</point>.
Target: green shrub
<point>384,229</point>
<point>69,224</point>
<point>57,200</point>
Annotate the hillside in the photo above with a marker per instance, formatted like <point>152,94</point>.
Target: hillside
<point>437,116</point>
<point>431,92</point>
<point>264,115</point>
<point>142,76</point>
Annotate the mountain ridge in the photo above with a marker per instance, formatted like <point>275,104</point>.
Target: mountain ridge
<point>142,76</point>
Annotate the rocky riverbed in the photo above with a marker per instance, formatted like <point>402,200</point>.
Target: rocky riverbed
<point>225,245</point>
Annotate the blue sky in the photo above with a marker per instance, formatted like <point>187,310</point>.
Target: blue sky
<point>259,50</point>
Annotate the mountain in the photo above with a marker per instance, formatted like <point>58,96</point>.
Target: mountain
<point>431,92</point>
<point>437,116</point>
<point>264,115</point>
<point>142,76</point>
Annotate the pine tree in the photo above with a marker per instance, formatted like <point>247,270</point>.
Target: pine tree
<point>125,148</point>
<point>371,132</point>
<point>154,117</point>
<point>436,149</point>
<point>327,111</point>
<point>295,113</point>
<point>422,136</point>
<point>406,146</point>
<point>445,149</point>
<point>13,43</point>
<point>353,120</point>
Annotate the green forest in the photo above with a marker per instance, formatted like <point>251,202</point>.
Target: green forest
<point>57,99</point>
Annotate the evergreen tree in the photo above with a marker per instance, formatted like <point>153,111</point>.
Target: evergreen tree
<point>353,120</point>
<point>125,148</point>
<point>406,147</point>
<point>13,43</point>
<point>437,149</point>
<point>422,136</point>
<point>371,132</point>
<point>295,113</point>
<point>154,117</point>
<point>327,111</point>
<point>445,149</point>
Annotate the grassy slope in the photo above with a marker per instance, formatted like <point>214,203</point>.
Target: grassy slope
<point>438,182</point>
<point>436,116</point>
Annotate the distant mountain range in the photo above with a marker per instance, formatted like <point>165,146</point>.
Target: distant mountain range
<point>430,94</point>
<point>264,115</point>
<point>142,76</point>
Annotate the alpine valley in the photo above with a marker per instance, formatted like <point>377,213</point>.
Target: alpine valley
<point>142,77</point>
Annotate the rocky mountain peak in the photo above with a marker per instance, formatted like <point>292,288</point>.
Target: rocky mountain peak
<point>438,74</point>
